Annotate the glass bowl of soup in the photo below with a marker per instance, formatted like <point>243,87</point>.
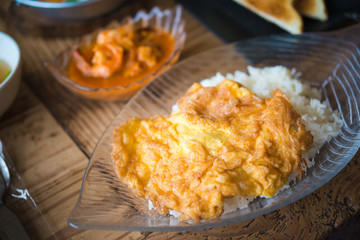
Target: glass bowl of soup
<point>115,62</point>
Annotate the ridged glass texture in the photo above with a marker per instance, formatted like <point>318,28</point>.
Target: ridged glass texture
<point>328,63</point>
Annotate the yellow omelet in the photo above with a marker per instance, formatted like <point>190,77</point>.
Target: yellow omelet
<point>223,141</point>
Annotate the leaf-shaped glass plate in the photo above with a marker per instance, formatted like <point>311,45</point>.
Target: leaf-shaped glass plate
<point>328,63</point>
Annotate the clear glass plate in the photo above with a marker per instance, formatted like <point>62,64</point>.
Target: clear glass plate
<point>328,63</point>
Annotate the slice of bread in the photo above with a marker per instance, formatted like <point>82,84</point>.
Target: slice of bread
<point>312,8</point>
<point>280,12</point>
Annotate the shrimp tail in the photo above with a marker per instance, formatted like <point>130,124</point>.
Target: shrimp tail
<point>106,60</point>
<point>81,63</point>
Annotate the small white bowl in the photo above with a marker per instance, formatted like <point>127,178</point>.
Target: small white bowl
<point>10,54</point>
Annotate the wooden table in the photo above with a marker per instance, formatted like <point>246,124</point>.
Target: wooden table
<point>50,134</point>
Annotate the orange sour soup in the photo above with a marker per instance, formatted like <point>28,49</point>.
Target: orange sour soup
<point>160,41</point>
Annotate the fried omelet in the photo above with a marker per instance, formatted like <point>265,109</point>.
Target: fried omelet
<point>223,141</point>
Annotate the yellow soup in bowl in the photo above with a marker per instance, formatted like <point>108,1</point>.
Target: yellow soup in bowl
<point>5,70</point>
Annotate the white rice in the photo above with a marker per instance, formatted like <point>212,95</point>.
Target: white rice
<point>317,116</point>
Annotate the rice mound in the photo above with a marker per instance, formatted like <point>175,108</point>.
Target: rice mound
<point>317,116</point>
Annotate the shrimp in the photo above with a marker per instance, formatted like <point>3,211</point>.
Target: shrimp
<point>123,36</point>
<point>117,48</point>
<point>107,59</point>
<point>147,55</point>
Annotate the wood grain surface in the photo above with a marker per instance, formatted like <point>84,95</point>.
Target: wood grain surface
<point>50,134</point>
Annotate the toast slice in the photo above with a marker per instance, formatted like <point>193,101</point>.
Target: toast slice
<point>280,12</point>
<point>312,8</point>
